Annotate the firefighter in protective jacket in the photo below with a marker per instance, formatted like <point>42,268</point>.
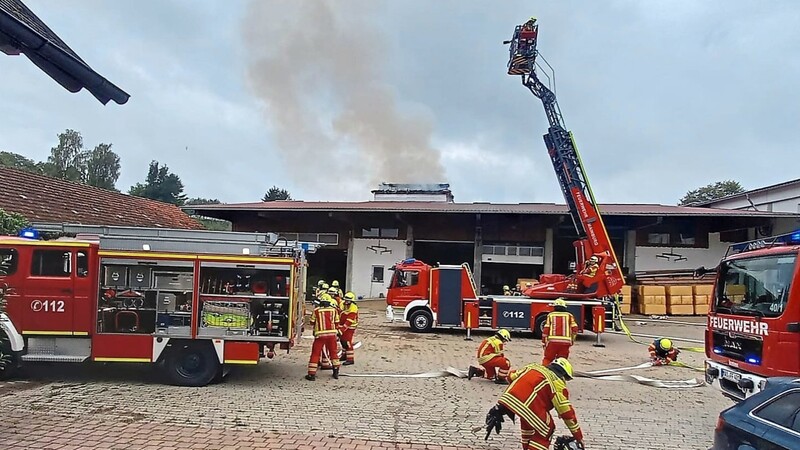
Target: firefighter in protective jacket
<point>348,325</point>
<point>662,352</point>
<point>559,332</point>
<point>534,391</point>
<point>491,358</point>
<point>325,320</point>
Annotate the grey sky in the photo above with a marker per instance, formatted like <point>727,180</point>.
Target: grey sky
<point>662,96</point>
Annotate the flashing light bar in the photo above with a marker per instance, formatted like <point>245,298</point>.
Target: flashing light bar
<point>718,350</point>
<point>792,238</point>
<point>29,233</point>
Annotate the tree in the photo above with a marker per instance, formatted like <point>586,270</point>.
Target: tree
<point>712,191</point>
<point>160,185</point>
<point>67,159</point>
<point>202,201</point>
<point>276,193</point>
<point>102,167</point>
<point>16,161</point>
<point>11,223</point>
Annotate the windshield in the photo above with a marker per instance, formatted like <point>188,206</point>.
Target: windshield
<point>755,286</point>
<point>405,278</point>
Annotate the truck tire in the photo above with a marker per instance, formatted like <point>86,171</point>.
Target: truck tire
<point>421,321</point>
<point>192,364</point>
<point>9,360</point>
<point>538,326</point>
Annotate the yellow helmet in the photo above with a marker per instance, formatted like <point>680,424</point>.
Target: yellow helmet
<point>320,282</point>
<point>325,286</point>
<point>666,344</point>
<point>504,334</point>
<point>560,302</point>
<point>333,291</point>
<point>335,283</point>
<point>350,297</point>
<point>565,365</point>
<point>506,288</point>
<point>325,298</point>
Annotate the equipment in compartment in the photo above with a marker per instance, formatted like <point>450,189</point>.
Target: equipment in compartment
<point>115,276</point>
<point>140,277</point>
<point>173,281</point>
<point>165,302</point>
<point>270,317</point>
<point>226,314</point>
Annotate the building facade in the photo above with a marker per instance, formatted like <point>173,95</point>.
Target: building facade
<point>501,242</point>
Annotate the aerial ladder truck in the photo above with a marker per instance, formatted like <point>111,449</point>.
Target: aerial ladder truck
<point>446,296</point>
<point>599,275</point>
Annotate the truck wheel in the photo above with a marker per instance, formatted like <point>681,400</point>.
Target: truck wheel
<point>192,364</point>
<point>421,321</point>
<point>538,326</point>
<point>8,359</point>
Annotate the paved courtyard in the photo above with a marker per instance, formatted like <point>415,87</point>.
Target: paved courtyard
<point>271,406</point>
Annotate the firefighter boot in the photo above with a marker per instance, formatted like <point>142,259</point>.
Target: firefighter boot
<point>335,373</point>
<point>474,372</point>
<point>500,380</point>
<point>311,377</point>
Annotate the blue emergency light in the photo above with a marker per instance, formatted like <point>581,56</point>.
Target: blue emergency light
<point>753,360</point>
<point>794,238</point>
<point>29,233</point>
<point>718,350</point>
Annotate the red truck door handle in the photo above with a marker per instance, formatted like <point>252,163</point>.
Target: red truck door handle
<point>793,327</point>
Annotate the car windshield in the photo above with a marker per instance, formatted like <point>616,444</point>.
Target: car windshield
<point>755,286</point>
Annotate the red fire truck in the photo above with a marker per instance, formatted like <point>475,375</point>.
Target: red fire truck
<point>446,295</point>
<point>192,302</point>
<point>753,329</point>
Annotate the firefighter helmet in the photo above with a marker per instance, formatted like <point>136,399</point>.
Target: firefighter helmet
<point>504,334</point>
<point>594,259</point>
<point>560,302</point>
<point>349,297</point>
<point>665,344</point>
<point>325,286</point>
<point>562,368</point>
<point>326,299</point>
<point>335,283</point>
<point>320,282</point>
<point>506,288</point>
<point>333,291</point>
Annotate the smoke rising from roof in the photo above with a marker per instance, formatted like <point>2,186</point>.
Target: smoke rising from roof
<point>319,69</point>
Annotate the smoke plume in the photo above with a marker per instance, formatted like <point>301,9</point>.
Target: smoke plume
<point>319,68</point>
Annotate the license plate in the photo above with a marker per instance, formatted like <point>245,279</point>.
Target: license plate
<point>731,376</point>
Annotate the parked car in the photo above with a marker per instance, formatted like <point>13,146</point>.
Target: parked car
<point>769,420</point>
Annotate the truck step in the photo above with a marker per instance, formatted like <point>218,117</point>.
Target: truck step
<point>54,358</point>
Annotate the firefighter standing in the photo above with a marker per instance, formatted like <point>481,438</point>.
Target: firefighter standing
<point>348,325</point>
<point>534,391</point>
<point>317,290</point>
<point>325,320</point>
<point>335,284</point>
<point>662,352</point>
<point>336,296</point>
<point>491,358</point>
<point>507,290</point>
<point>559,332</point>
<point>336,302</point>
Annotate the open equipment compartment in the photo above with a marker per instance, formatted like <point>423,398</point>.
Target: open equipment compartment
<point>145,296</point>
<point>244,299</point>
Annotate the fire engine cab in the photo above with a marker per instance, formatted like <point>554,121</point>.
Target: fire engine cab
<point>192,302</point>
<point>753,329</point>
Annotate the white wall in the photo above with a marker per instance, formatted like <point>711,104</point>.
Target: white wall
<point>363,260</point>
<point>782,199</point>
<point>695,257</point>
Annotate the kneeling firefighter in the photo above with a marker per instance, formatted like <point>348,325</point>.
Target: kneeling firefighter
<point>662,352</point>
<point>534,391</point>
<point>495,365</point>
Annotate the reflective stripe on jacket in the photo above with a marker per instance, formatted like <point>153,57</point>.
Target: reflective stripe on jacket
<point>350,317</point>
<point>533,392</point>
<point>489,348</point>
<point>559,326</point>
<point>325,320</point>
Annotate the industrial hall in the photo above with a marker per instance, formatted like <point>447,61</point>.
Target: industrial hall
<point>502,243</point>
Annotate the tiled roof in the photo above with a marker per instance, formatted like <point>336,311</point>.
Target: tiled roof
<point>45,199</point>
<point>21,31</point>
<point>613,209</point>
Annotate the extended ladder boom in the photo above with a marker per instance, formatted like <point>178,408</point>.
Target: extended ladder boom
<point>592,233</point>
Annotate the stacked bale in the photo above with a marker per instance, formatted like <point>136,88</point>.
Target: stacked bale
<point>652,300</point>
<point>680,300</point>
<point>702,299</point>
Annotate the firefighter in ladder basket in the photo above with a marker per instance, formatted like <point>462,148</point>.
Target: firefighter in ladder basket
<point>495,365</point>
<point>534,391</point>
<point>348,325</point>
<point>559,332</point>
<point>325,320</point>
